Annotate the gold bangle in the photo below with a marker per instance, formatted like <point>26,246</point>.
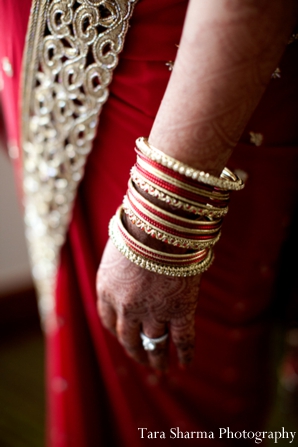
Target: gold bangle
<point>154,230</point>
<point>176,200</point>
<point>168,238</point>
<point>224,196</point>
<point>227,181</point>
<point>155,267</point>
<point>140,202</point>
<point>159,256</point>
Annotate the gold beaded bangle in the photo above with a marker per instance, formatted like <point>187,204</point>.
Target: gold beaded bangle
<point>185,224</point>
<point>141,261</point>
<point>166,231</point>
<point>176,200</point>
<point>224,196</point>
<point>228,180</point>
<point>156,255</point>
<point>168,238</point>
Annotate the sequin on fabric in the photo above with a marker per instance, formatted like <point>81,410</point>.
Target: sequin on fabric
<point>71,51</point>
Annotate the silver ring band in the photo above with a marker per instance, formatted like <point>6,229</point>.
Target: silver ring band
<point>149,344</point>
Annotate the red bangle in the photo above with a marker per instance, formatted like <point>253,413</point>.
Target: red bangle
<point>172,189</point>
<point>193,224</point>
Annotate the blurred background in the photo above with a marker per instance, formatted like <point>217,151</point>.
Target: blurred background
<point>22,403</point>
<point>21,340</point>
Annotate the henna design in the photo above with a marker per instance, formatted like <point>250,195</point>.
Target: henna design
<point>147,297</point>
<point>236,58</point>
<point>224,63</point>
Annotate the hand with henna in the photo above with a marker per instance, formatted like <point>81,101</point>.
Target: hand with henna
<point>132,299</point>
<point>227,53</point>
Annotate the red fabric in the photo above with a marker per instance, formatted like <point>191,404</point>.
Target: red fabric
<point>13,26</point>
<point>96,394</point>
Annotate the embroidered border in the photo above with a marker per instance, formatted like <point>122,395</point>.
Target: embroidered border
<point>72,48</point>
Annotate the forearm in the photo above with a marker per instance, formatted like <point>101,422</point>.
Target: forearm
<point>223,65</point>
<point>227,53</point>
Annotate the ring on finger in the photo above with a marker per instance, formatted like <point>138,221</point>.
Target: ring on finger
<point>149,344</point>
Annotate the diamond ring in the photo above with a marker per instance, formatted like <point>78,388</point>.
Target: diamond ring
<point>149,344</point>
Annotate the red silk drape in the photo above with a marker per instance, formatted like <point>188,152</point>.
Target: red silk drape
<point>96,394</point>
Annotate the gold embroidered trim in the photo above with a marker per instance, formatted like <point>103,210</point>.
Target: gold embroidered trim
<point>72,48</point>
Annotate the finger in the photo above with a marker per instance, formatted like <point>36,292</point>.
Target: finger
<point>158,357</point>
<point>107,313</point>
<point>128,333</point>
<point>183,336</point>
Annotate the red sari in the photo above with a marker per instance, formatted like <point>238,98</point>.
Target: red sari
<point>96,394</point>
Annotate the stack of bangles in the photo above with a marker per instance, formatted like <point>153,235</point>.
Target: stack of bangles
<point>203,196</point>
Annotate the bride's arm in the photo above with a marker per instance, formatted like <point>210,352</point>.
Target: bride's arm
<point>228,50</point>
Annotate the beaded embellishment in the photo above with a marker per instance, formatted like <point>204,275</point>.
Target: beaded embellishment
<point>72,48</point>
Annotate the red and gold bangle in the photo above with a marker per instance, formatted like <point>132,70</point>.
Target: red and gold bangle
<point>206,225</point>
<point>175,189</point>
<point>208,190</point>
<point>168,234</point>
<point>155,255</point>
<point>175,200</point>
<point>195,192</point>
<point>202,195</point>
<point>151,219</point>
<point>227,181</point>
<point>143,261</point>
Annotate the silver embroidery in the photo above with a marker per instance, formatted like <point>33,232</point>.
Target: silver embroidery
<point>170,65</point>
<point>256,138</point>
<point>72,49</point>
<point>7,67</point>
<point>276,74</point>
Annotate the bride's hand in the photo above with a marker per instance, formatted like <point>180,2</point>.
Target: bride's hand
<point>132,299</point>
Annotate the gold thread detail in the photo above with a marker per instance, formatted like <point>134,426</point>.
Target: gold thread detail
<point>72,48</point>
